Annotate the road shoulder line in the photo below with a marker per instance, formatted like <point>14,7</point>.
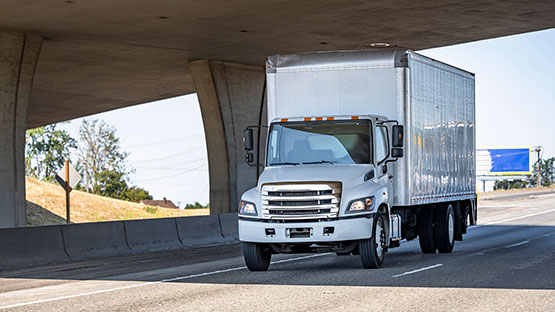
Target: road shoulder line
<point>419,270</point>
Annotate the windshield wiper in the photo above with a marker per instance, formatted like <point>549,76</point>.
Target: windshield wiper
<point>320,162</point>
<point>284,163</point>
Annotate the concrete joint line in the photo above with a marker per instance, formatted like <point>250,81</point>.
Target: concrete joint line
<point>231,151</point>
<point>221,228</point>
<point>125,234</point>
<point>15,136</point>
<point>177,231</point>
<point>64,242</point>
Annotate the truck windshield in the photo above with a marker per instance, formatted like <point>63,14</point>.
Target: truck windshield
<point>335,142</point>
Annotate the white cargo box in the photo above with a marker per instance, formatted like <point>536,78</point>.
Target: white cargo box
<point>434,101</point>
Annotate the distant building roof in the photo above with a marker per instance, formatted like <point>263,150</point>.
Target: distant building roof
<point>163,203</point>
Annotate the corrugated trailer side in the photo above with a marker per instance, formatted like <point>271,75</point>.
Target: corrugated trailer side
<point>440,125</point>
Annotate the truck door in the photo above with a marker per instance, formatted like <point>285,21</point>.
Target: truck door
<point>382,150</point>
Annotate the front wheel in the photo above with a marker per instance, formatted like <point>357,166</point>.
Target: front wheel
<point>372,250</point>
<point>257,256</point>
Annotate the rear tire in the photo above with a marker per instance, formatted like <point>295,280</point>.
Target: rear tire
<point>257,256</point>
<point>426,235</point>
<point>445,228</point>
<point>372,250</point>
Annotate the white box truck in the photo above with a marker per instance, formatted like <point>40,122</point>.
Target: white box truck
<point>364,149</point>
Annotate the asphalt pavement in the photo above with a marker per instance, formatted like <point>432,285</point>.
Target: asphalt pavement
<point>506,263</point>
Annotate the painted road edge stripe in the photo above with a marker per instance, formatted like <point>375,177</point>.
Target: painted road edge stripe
<point>419,270</point>
<point>511,219</point>
<point>518,244</point>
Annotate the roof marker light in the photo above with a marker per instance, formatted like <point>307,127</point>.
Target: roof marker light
<point>319,118</point>
<point>330,118</point>
<point>307,119</point>
<point>284,120</point>
<point>378,45</point>
<point>354,117</point>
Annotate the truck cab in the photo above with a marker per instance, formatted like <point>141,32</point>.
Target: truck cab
<point>325,187</point>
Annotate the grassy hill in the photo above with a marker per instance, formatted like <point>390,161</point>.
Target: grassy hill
<point>46,205</point>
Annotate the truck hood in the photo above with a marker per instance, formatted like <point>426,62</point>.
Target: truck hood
<point>348,175</point>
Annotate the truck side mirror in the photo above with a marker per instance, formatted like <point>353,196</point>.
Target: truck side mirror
<point>248,139</point>
<point>397,152</point>
<point>398,134</point>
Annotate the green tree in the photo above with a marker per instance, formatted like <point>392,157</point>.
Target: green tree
<point>196,205</point>
<point>46,149</point>
<point>111,184</point>
<point>547,172</point>
<point>102,161</point>
<point>135,194</point>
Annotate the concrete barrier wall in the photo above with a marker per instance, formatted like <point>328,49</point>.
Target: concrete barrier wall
<point>90,240</point>
<point>152,234</point>
<point>228,223</point>
<point>20,247</point>
<point>31,246</point>
<point>199,231</point>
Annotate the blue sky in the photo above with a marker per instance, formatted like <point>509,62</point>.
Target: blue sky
<point>515,106</point>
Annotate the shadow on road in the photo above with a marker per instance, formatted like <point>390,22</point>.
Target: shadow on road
<point>497,256</point>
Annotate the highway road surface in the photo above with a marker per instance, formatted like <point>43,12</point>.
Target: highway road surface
<point>506,263</point>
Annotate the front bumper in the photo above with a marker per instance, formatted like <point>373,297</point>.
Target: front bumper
<point>344,230</point>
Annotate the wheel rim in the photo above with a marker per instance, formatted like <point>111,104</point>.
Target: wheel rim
<point>378,239</point>
<point>451,227</point>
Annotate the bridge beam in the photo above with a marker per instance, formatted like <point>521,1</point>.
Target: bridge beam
<point>18,58</point>
<point>231,97</point>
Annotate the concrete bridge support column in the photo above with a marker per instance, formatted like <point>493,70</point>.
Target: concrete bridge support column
<point>18,58</point>
<point>231,98</point>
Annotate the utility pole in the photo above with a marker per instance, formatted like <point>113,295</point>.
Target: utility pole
<point>538,150</point>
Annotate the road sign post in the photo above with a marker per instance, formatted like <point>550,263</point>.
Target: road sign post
<point>70,180</point>
<point>68,214</point>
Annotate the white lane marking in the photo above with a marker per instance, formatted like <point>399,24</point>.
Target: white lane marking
<point>512,219</point>
<point>419,270</point>
<point>152,283</point>
<point>518,244</point>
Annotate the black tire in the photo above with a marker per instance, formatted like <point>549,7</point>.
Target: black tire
<point>426,233</point>
<point>257,256</point>
<point>445,228</point>
<point>372,250</point>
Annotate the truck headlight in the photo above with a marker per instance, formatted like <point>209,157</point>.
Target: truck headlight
<point>246,208</point>
<point>361,205</point>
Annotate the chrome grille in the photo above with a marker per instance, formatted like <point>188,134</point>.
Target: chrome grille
<point>298,201</point>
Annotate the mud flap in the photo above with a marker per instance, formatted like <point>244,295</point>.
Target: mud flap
<point>473,212</point>
<point>460,223</point>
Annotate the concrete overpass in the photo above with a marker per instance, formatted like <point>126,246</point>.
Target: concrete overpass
<point>65,59</point>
